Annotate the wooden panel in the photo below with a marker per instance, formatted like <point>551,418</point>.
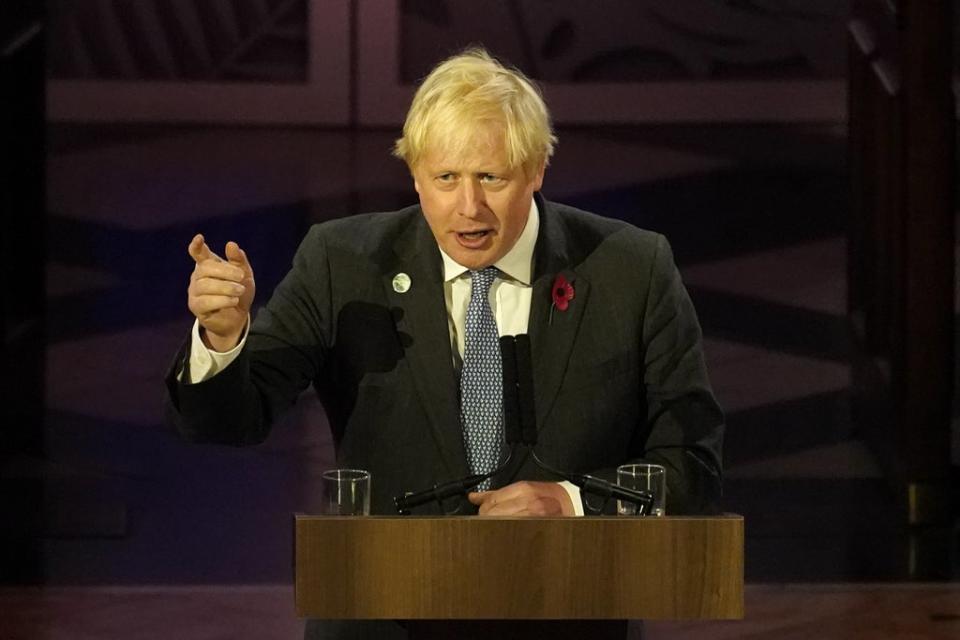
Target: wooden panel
<point>928,241</point>
<point>901,245</point>
<point>519,568</point>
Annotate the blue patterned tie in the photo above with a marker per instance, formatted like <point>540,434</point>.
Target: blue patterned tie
<point>481,379</point>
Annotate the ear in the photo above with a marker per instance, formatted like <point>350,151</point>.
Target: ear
<point>416,182</point>
<point>537,180</point>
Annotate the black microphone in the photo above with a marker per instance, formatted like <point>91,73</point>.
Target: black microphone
<point>601,488</point>
<point>437,493</point>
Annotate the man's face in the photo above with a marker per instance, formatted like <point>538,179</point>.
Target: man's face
<point>475,206</point>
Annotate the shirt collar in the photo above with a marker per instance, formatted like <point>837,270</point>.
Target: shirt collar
<point>517,263</point>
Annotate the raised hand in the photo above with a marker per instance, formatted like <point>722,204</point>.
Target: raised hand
<point>221,292</point>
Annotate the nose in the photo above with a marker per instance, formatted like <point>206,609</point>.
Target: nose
<point>471,198</point>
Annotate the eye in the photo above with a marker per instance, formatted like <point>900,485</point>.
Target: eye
<point>446,181</point>
<point>490,179</point>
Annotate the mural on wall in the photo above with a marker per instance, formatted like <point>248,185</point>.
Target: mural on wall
<point>179,40</point>
<point>558,41</point>
<point>635,40</point>
<point>727,57</point>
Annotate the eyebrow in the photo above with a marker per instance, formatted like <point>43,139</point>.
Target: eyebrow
<point>479,172</point>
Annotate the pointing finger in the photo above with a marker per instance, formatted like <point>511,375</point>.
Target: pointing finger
<point>199,250</point>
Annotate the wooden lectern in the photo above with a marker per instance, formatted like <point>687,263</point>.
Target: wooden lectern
<point>470,568</point>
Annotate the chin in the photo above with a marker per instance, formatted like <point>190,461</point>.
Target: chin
<point>474,260</point>
<point>475,264</point>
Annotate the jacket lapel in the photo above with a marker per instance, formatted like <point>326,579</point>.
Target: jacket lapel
<point>552,331</point>
<point>421,319</point>
<point>552,335</point>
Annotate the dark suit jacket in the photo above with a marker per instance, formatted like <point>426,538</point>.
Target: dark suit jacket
<point>618,376</point>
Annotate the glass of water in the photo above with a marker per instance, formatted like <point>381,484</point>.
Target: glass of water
<point>346,492</point>
<point>644,477</point>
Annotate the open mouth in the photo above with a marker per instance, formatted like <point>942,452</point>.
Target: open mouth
<point>474,239</point>
<point>473,235</point>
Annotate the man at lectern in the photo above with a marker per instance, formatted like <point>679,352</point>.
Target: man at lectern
<point>394,319</point>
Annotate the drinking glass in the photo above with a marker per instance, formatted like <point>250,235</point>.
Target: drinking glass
<point>346,492</point>
<point>645,477</point>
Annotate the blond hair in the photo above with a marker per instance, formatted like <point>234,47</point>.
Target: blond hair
<point>467,94</point>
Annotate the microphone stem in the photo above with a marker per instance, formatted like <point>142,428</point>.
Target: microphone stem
<point>440,492</point>
<point>602,488</point>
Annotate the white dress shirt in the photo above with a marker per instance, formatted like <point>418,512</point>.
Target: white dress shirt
<point>510,292</point>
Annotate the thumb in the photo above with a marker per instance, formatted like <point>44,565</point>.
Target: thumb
<point>477,497</point>
<point>237,256</point>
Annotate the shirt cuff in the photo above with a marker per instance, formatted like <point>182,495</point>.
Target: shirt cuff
<point>574,492</point>
<point>206,363</point>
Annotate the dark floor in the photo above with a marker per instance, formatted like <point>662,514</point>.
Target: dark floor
<point>774,612</point>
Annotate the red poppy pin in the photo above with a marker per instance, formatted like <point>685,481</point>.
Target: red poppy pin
<point>562,293</point>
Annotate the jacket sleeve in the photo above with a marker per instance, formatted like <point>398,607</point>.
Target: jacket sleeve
<point>283,354</point>
<point>685,423</point>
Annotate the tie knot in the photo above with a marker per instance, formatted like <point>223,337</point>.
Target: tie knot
<point>482,280</point>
